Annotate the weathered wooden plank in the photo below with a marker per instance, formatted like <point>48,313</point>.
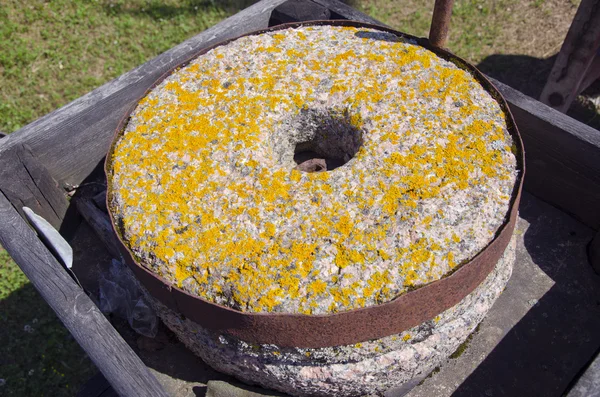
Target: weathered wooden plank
<point>347,12</point>
<point>119,364</point>
<point>72,140</point>
<point>298,10</point>
<point>26,182</point>
<point>48,186</point>
<point>594,253</point>
<point>575,57</point>
<point>100,223</point>
<point>562,155</point>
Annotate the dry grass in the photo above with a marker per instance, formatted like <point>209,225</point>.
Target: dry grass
<point>513,41</point>
<point>482,28</point>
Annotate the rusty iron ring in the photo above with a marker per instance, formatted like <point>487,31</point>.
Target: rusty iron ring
<point>349,327</point>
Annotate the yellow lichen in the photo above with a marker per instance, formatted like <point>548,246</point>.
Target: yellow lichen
<point>165,168</point>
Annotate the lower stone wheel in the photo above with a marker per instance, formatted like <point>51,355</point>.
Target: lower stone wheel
<point>367,368</point>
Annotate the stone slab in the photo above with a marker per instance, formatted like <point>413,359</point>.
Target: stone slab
<point>218,388</point>
<point>589,383</point>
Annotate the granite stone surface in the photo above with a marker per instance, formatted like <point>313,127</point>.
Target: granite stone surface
<point>206,190</point>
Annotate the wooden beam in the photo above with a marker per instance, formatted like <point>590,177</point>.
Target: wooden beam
<point>576,55</point>
<point>120,365</point>
<point>594,253</point>
<point>562,156</point>
<point>26,182</point>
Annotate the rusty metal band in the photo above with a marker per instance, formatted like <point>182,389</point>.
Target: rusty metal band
<point>349,327</point>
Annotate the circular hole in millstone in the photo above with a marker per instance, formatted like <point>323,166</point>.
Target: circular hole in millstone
<point>324,140</point>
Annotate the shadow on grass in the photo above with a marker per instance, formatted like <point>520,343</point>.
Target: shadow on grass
<point>38,356</point>
<point>557,337</point>
<point>529,74</point>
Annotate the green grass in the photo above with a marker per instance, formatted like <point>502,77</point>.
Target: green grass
<point>474,24</point>
<point>480,28</point>
<point>11,278</point>
<point>54,52</point>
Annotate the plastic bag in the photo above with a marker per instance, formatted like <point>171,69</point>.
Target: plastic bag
<point>119,294</point>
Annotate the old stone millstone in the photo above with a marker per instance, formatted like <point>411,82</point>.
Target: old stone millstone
<point>207,192</point>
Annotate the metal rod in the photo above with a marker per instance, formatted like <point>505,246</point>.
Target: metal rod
<point>440,23</point>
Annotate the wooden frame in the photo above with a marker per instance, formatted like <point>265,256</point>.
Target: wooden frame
<point>61,149</point>
<point>578,63</point>
<point>120,365</point>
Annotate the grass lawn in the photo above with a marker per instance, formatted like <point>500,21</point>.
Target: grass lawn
<point>55,51</point>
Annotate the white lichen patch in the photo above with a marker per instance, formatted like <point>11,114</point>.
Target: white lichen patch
<point>205,190</point>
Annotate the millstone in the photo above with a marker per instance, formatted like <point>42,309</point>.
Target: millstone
<point>316,170</point>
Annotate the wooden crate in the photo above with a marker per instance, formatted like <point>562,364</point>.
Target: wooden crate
<point>65,148</point>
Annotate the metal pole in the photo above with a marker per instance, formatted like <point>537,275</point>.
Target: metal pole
<point>438,33</point>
